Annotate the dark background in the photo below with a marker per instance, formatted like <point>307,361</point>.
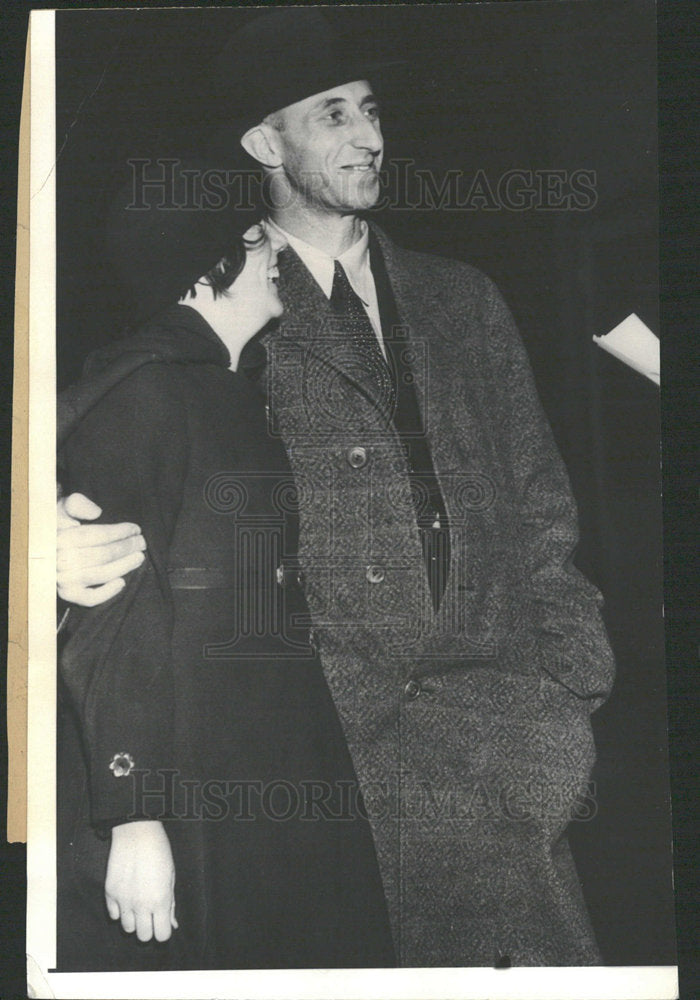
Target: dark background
<point>564,85</point>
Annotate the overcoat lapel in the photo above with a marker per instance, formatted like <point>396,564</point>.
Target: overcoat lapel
<point>309,325</point>
<point>456,424</point>
<point>417,310</point>
<point>426,328</point>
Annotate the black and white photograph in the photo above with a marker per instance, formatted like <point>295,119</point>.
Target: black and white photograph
<point>348,331</point>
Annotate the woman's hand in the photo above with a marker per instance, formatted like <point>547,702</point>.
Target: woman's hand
<point>140,883</point>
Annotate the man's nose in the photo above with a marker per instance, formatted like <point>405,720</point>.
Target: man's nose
<point>365,134</point>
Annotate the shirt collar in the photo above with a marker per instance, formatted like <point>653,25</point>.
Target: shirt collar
<point>355,261</point>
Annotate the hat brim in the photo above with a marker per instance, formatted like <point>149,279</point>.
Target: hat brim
<point>384,77</point>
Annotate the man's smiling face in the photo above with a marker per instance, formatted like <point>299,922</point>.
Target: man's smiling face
<point>331,147</point>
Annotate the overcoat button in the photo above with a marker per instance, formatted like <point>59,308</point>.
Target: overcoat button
<point>375,574</point>
<point>357,457</point>
<point>412,689</point>
<point>301,577</point>
<point>279,575</point>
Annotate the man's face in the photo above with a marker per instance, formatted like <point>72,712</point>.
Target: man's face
<point>331,146</point>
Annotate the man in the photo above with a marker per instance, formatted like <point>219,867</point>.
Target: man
<point>463,651</point>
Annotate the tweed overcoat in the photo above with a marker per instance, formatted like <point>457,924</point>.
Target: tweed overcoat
<point>198,683</point>
<point>469,728</point>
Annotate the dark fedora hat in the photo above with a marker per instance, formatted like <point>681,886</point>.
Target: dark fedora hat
<point>166,229</point>
<point>284,56</point>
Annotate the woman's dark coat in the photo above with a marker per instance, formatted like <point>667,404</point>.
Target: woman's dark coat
<point>199,682</point>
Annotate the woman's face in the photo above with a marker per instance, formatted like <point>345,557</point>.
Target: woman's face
<point>254,292</point>
<point>252,300</point>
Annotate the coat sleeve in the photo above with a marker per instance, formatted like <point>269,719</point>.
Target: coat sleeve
<point>563,606</point>
<point>129,455</point>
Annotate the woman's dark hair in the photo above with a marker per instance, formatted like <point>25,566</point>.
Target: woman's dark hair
<point>225,271</point>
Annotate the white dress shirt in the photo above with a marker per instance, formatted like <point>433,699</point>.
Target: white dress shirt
<point>355,263</point>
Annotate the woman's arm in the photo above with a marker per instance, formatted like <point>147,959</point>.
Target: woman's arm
<point>130,453</point>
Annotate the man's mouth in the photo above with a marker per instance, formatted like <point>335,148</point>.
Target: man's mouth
<point>360,168</point>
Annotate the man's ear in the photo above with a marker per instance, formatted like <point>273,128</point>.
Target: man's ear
<point>261,143</point>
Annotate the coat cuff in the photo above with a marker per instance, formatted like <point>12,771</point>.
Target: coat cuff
<point>124,792</point>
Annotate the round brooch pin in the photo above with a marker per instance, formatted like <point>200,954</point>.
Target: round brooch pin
<point>121,764</point>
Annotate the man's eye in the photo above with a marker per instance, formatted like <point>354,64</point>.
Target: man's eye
<point>337,117</point>
<point>373,113</point>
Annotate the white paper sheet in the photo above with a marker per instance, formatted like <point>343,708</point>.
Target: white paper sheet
<point>632,342</point>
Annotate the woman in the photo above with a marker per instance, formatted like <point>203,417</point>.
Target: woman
<point>218,815</point>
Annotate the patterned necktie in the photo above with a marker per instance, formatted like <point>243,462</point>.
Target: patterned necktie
<point>347,307</point>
